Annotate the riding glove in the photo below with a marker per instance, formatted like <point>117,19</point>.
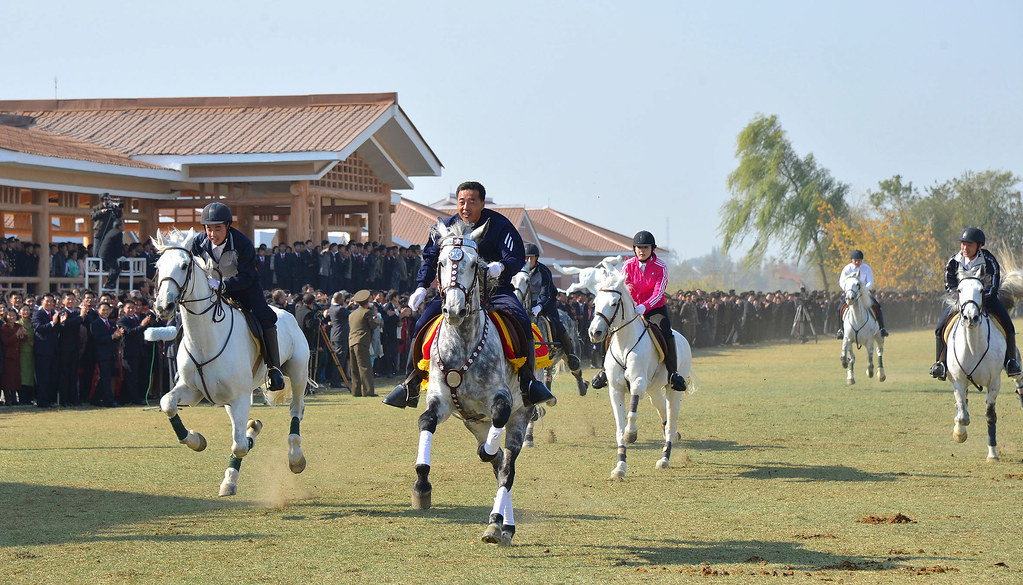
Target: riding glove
<point>415,300</point>
<point>536,310</point>
<point>494,269</point>
<point>640,309</point>
<point>214,283</point>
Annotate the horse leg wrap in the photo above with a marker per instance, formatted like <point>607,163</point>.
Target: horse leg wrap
<point>294,425</point>
<point>634,403</point>
<point>667,450</point>
<point>493,442</point>
<point>235,463</point>
<point>425,441</point>
<point>500,503</point>
<point>497,519</point>
<point>179,428</point>
<point>621,453</point>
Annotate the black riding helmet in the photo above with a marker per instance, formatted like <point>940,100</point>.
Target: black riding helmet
<point>644,238</point>
<point>532,249</point>
<point>856,255</point>
<point>216,213</point>
<point>973,234</point>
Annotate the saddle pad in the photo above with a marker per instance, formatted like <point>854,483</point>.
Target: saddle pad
<point>954,318</point>
<point>659,343</point>
<point>429,333</point>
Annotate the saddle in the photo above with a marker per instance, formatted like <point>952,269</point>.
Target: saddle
<point>660,346</point>
<point>508,330</point>
<point>845,306</point>
<point>254,326</point>
<point>954,318</point>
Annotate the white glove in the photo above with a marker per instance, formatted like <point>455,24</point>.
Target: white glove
<point>494,269</point>
<point>641,308</point>
<point>214,283</point>
<point>536,310</point>
<point>415,300</point>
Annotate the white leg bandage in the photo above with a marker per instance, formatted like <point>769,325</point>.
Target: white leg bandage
<point>509,516</point>
<point>425,440</point>
<point>493,441</point>
<point>501,501</point>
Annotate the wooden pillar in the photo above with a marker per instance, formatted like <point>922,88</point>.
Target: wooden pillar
<point>298,220</point>
<point>385,220</point>
<point>373,224</point>
<point>244,220</point>
<point>41,236</point>
<point>149,219</point>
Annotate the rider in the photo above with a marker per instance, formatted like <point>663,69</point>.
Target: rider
<point>857,265</point>
<point>972,254</point>
<point>232,270</point>
<point>646,276</point>
<point>501,247</point>
<point>544,297</point>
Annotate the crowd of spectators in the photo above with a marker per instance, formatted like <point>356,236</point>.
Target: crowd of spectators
<point>316,283</point>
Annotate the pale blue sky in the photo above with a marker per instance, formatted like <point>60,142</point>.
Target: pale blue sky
<point>623,114</point>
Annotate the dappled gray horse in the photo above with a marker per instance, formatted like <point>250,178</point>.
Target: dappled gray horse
<point>470,378</point>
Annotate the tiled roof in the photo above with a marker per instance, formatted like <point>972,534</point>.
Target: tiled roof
<point>43,143</point>
<point>575,232</point>
<point>191,126</point>
<point>411,221</point>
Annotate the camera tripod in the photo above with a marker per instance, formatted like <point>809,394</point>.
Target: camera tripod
<point>801,322</point>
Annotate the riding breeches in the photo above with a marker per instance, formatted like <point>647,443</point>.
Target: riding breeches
<point>659,318</point>
<point>253,299</point>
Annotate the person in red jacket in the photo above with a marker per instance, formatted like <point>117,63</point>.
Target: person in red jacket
<point>646,275</point>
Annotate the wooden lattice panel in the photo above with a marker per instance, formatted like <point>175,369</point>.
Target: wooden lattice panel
<point>352,174</point>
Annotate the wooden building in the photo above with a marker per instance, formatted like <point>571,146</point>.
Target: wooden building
<point>303,165</point>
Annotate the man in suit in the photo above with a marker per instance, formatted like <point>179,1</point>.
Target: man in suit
<point>361,323</point>
<point>87,358</point>
<point>44,323</point>
<point>338,314</point>
<point>69,343</point>
<point>105,335</point>
<point>132,352</point>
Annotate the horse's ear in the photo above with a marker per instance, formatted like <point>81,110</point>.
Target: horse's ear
<point>441,229</point>
<point>158,240</point>
<point>477,234</point>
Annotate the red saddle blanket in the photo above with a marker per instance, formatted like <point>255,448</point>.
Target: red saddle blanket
<point>543,354</point>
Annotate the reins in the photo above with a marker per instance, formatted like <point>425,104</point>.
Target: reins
<point>612,330</point>
<point>987,342</point>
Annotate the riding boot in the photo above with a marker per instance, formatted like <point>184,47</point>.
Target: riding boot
<point>678,383</point>
<point>569,348</point>
<point>880,319</point>
<point>1012,368</point>
<point>406,393</point>
<point>938,369</point>
<point>273,358</point>
<point>533,391</point>
<point>599,379</point>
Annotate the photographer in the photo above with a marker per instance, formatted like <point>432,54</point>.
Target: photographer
<point>106,232</point>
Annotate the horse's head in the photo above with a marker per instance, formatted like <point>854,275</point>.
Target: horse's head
<point>520,282</point>
<point>970,300</point>
<point>175,270</point>
<point>612,304</point>
<point>852,286</point>
<point>458,269</point>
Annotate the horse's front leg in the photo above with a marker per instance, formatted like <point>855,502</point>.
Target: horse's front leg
<point>296,369</point>
<point>849,360</point>
<point>992,418</point>
<point>880,359</point>
<point>422,491</point>
<point>617,396</point>
<point>489,442</point>
<point>501,525</point>
<point>962,419</point>
<point>182,394</point>
<point>637,386</point>
<point>870,358</point>
<point>674,403</point>
<point>244,432</point>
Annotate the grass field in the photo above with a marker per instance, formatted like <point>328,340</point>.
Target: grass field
<point>780,464</point>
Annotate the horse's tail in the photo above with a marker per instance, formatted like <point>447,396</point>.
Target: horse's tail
<point>692,382</point>
<point>1011,289</point>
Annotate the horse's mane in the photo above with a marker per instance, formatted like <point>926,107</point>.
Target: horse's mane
<point>615,280</point>
<point>173,238</point>
<point>458,229</point>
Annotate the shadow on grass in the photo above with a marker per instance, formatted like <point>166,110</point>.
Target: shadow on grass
<point>715,445</point>
<point>813,473</point>
<point>747,555</point>
<point>43,514</point>
<point>453,514</point>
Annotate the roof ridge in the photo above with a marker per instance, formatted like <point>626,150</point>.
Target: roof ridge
<point>581,223</point>
<point>228,102</point>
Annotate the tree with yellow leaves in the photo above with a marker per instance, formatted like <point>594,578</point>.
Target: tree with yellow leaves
<point>901,249</point>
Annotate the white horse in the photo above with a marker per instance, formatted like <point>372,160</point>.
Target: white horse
<point>218,359</point>
<point>471,378</point>
<point>633,368</point>
<point>976,350</point>
<point>860,327</point>
<point>591,277</point>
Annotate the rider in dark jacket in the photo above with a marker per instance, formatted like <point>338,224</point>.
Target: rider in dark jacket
<point>501,247</point>
<point>543,297</point>
<point>232,266</point>
<point>972,255</point>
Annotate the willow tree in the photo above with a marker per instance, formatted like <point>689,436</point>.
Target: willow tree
<point>776,198</point>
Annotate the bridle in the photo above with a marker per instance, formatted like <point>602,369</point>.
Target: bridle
<point>612,330</point>
<point>456,256</point>
<point>962,306</point>
<point>987,343</point>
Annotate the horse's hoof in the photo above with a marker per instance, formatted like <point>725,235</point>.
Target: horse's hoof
<point>618,472</point>
<point>528,443</point>
<point>583,387</point>
<point>507,532</point>
<point>253,428</point>
<point>631,436</point>
<point>870,373</point>
<point>422,501</point>
<point>194,441</point>
<point>296,459</point>
<point>297,466</point>
<point>960,437</point>
<point>845,363</point>
<point>493,534</point>
<point>229,487</point>
<point>993,459</point>
<point>881,377</point>
<point>662,463</point>
<point>851,381</point>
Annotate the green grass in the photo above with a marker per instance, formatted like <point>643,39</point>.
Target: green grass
<point>780,460</point>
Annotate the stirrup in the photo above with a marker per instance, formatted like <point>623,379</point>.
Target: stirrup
<point>275,379</point>
<point>840,334</point>
<point>599,380</point>
<point>537,394</point>
<point>402,396</point>
<point>1012,368</point>
<point>884,332</point>
<point>678,383</point>
<point>938,371</point>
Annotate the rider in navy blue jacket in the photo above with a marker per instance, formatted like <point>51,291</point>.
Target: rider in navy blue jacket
<point>971,256</point>
<point>502,249</point>
<point>233,272</point>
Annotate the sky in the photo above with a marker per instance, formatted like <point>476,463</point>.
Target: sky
<point>624,114</point>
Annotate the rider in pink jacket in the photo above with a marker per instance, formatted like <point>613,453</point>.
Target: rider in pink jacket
<point>646,275</point>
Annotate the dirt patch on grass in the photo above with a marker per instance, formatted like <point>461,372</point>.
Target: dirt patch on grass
<point>896,519</point>
<point>809,536</point>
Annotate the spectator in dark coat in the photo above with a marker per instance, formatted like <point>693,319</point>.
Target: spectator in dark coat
<point>136,381</point>
<point>69,344</point>
<point>44,323</point>
<point>105,333</point>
